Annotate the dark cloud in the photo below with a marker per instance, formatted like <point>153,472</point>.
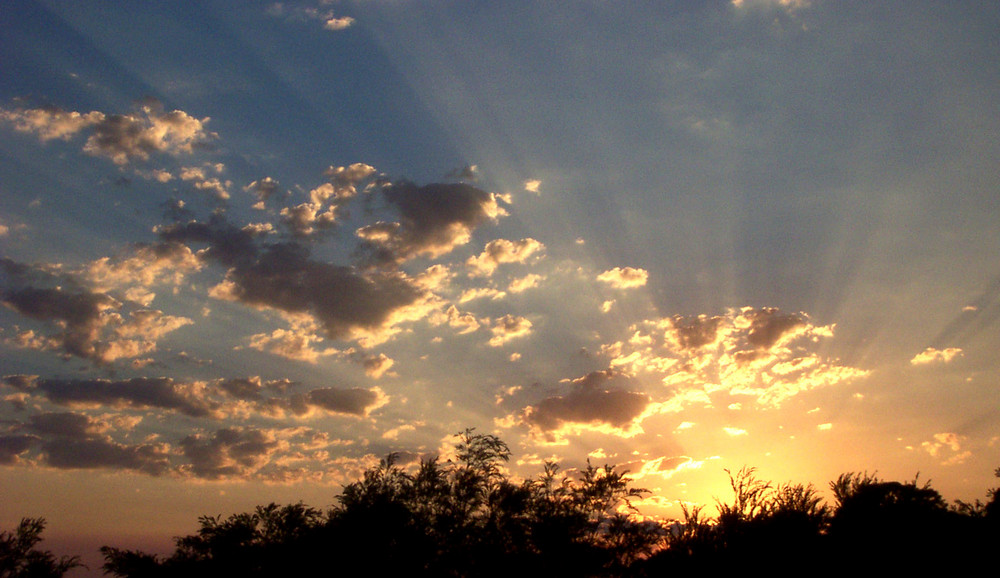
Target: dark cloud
<point>83,323</point>
<point>356,401</point>
<point>466,173</point>
<point>590,401</point>
<point>76,312</point>
<point>138,393</point>
<point>19,382</point>
<point>768,326</point>
<point>70,440</point>
<point>433,219</point>
<point>694,332</point>
<point>283,276</point>
<point>247,388</point>
<point>12,446</point>
<point>229,452</point>
<point>227,244</point>
<point>263,189</point>
<point>95,453</point>
<point>65,424</point>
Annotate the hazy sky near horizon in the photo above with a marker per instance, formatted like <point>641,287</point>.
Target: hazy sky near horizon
<point>246,249</point>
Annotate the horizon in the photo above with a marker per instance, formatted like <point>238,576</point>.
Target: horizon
<point>246,252</point>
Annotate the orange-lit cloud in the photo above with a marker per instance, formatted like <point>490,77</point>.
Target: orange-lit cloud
<point>624,277</point>
<point>932,355</point>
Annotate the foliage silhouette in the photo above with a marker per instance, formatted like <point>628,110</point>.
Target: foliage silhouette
<point>465,518</point>
<point>20,559</point>
<point>456,518</point>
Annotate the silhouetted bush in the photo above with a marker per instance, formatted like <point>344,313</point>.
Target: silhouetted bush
<point>466,518</point>
<point>20,559</point>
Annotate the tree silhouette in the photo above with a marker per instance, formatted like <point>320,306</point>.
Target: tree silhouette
<point>464,517</point>
<point>20,559</point>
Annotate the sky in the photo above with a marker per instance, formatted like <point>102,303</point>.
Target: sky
<point>247,249</point>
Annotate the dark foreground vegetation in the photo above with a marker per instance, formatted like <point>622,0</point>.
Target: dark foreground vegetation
<point>466,519</point>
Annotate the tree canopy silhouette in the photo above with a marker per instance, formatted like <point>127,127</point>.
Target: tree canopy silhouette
<point>19,557</point>
<point>465,517</point>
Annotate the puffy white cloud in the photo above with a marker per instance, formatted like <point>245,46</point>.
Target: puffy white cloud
<point>933,355</point>
<point>464,322</point>
<point>307,218</point>
<point>50,123</point>
<point>294,344</point>
<point>501,251</point>
<point>143,267</point>
<point>761,353</point>
<point>340,23</point>
<point>120,137</point>
<point>624,277</point>
<point>525,283</point>
<point>509,327</point>
<point>480,292</point>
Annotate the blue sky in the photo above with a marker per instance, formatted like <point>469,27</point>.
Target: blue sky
<point>249,248</point>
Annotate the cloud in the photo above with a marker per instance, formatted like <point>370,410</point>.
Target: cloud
<point>340,23</point>
<point>600,401</point>
<point>464,322</point>
<point>531,185</point>
<point>77,441</point>
<point>769,327</point>
<point>228,453</point>
<point>13,446</point>
<point>376,365</point>
<point>203,182</point>
<point>291,344</point>
<point>787,5</point>
<point>50,123</point>
<point>761,353</point>
<point>932,355</point>
<point>503,251</point>
<point>433,220</point>
<point>84,323</point>
<point>466,173</point>
<point>346,179</point>
<point>137,393</point>
<point>690,333</point>
<point>525,283</point>
<point>263,190</point>
<point>345,302</point>
<point>123,138</point>
<point>143,267</point>
<point>509,327</point>
<point>624,277</point>
<point>356,401</point>
<point>307,218</point>
<point>480,292</point>
<point>310,13</point>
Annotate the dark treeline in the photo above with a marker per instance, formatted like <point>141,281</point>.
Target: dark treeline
<point>465,518</point>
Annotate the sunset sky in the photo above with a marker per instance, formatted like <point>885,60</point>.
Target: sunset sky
<point>249,248</point>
